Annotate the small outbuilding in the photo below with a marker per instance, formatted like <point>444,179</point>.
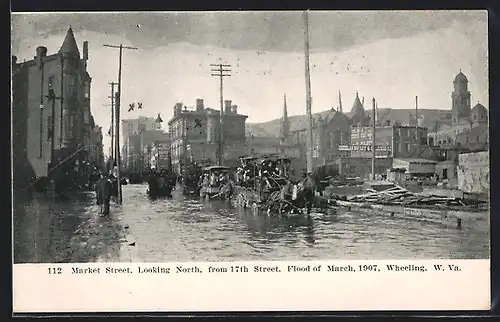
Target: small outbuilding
<point>415,167</point>
<point>446,170</point>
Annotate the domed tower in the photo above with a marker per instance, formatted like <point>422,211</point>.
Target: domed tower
<point>460,99</point>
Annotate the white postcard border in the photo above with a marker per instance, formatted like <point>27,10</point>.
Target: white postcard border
<point>463,286</point>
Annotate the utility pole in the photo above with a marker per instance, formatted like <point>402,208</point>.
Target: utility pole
<point>221,71</point>
<point>308,95</point>
<point>117,118</point>
<point>112,97</point>
<point>373,141</point>
<point>61,118</point>
<point>52,96</point>
<point>416,122</point>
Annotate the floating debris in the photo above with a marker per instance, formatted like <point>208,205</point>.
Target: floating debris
<point>400,196</point>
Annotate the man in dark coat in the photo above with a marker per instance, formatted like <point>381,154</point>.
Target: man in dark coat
<point>103,189</point>
<point>309,188</point>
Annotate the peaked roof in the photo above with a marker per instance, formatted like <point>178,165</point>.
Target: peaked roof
<point>158,119</point>
<point>479,106</point>
<point>357,107</point>
<point>358,113</point>
<point>69,45</point>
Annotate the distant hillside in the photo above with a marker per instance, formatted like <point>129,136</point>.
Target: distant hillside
<point>427,118</point>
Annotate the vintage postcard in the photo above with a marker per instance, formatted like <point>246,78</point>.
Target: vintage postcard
<point>250,161</point>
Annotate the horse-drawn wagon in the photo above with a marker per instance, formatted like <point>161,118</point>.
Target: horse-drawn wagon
<point>266,183</point>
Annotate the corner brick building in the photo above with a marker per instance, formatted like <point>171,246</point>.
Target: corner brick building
<point>55,132</point>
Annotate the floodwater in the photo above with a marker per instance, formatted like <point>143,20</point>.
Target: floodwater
<point>163,230</point>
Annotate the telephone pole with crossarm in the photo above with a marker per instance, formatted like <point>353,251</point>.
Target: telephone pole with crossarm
<point>117,118</point>
<point>221,71</point>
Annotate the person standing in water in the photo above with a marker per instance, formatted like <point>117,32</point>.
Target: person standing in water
<point>103,194</point>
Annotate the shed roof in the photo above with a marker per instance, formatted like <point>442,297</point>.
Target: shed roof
<point>416,160</point>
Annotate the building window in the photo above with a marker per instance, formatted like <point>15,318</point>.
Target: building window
<point>71,84</point>
<point>475,117</point>
<point>87,90</point>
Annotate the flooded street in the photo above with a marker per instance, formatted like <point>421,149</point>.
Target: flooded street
<point>165,230</point>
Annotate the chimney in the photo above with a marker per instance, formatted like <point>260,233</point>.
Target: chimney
<point>41,52</point>
<point>234,109</point>
<point>85,50</point>
<point>199,105</point>
<point>178,107</point>
<point>227,108</point>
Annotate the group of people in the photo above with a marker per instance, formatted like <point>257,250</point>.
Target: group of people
<point>161,182</point>
<point>270,171</point>
<point>222,180</point>
<point>213,179</point>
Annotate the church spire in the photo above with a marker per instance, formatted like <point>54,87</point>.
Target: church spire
<point>69,45</point>
<point>285,123</point>
<point>340,103</point>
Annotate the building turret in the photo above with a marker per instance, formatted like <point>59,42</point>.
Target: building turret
<point>69,45</point>
<point>358,114</point>
<point>460,97</point>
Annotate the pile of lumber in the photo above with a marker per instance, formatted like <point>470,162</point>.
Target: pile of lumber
<point>401,196</point>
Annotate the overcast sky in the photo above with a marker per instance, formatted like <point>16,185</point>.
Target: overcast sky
<point>273,31</point>
<point>390,55</point>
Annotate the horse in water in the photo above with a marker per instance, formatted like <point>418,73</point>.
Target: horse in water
<point>227,190</point>
<point>293,198</point>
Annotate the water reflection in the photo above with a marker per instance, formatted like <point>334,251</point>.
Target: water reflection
<point>63,232</point>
